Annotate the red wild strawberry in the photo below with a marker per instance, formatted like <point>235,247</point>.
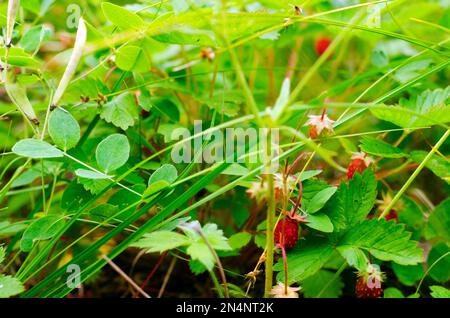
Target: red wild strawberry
<point>392,215</point>
<point>368,284</point>
<point>359,163</point>
<point>286,233</point>
<point>356,165</point>
<point>322,45</point>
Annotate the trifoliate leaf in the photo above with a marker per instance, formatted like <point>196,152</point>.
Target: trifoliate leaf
<point>386,241</point>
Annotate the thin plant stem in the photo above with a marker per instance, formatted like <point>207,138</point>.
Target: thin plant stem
<point>414,175</point>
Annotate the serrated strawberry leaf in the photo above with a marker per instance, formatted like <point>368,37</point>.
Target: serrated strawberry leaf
<point>305,260</point>
<point>353,201</point>
<point>386,241</point>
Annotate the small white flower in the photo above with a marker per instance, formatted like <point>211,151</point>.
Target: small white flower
<point>279,291</point>
<point>320,123</point>
<point>258,191</point>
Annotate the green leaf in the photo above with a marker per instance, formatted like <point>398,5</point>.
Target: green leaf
<point>161,241</point>
<point>34,37</point>
<point>89,174</point>
<point>215,237</point>
<point>353,201</point>
<point>73,196</point>
<point>438,165</point>
<point>308,174</point>
<point>8,229</point>
<point>411,70</point>
<point>239,240</point>
<point>305,260</point>
<point>26,178</point>
<point>112,152</point>
<point>166,172</point>
<point>18,57</point>
<point>187,36</point>
<point>10,286</point>
<point>432,105</point>
<point>121,111</point>
<point>393,292</point>
<point>408,275</point>
<point>410,213</point>
<point>155,188</point>
<point>63,129</point>
<point>103,212</point>
<point>354,256</point>
<point>381,148</point>
<point>2,254</point>
<point>319,199</point>
<point>312,286</point>
<point>200,251</point>
<point>37,149</point>
<point>386,241</point>
<point>94,186</point>
<point>132,58</point>
<point>439,292</point>
<point>41,229</point>
<point>320,222</point>
<point>310,188</point>
<point>441,270</point>
<point>439,222</point>
<point>18,95</point>
<point>197,267</point>
<point>121,17</point>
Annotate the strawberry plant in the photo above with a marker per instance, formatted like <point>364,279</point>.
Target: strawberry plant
<point>199,148</point>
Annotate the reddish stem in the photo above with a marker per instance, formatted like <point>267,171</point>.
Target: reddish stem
<point>283,253</point>
<point>299,198</point>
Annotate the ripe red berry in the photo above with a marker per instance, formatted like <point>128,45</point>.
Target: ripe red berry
<point>322,45</point>
<point>368,288</point>
<point>286,233</point>
<point>392,215</point>
<point>357,165</point>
